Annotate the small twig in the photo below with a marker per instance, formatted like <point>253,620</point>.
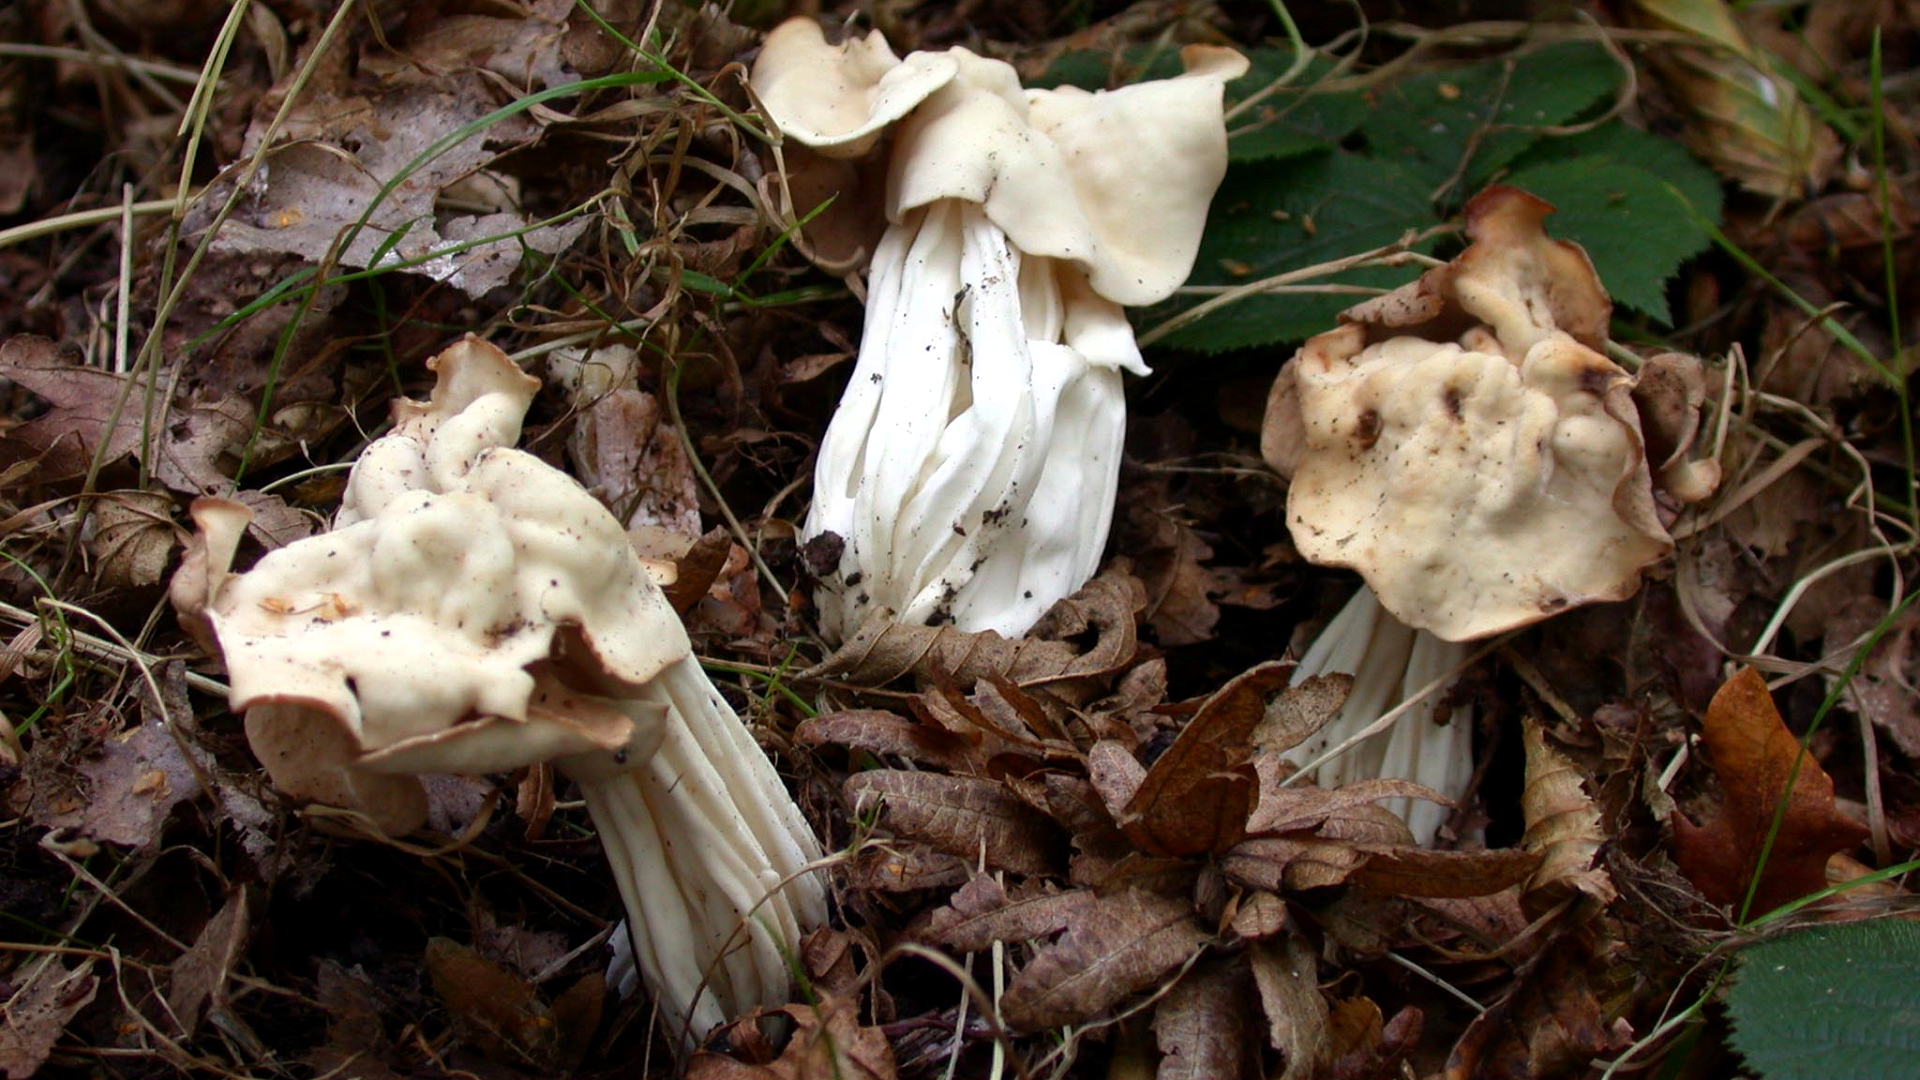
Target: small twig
<point>87,643</point>
<point>1398,253</point>
<point>115,60</point>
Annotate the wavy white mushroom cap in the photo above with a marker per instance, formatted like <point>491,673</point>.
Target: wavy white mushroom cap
<point>442,625</point>
<point>1461,443</point>
<point>1116,181</point>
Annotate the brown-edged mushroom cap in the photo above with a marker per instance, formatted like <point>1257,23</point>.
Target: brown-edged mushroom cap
<point>1462,443</point>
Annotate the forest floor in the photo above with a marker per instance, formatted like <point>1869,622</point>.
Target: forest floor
<point>232,234</point>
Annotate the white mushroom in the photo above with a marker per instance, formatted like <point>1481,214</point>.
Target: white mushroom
<point>1465,444</point>
<point>971,468</point>
<point>473,610</point>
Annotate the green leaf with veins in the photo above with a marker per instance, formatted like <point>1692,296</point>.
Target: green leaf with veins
<point>1267,221</point>
<point>1300,118</point>
<point>1455,128</point>
<point>1664,158</point>
<point>1830,1003</point>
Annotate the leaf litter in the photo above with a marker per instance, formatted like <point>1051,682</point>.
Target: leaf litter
<point>1064,854</point>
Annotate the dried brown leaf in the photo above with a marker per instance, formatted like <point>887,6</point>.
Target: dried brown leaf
<point>827,954</point>
<point>49,996</point>
<point>830,1044</point>
<point>981,913</point>
<point>1198,795</point>
<point>199,976</point>
<point>1563,827</point>
<point>501,1013</point>
<point>698,568</point>
<point>633,460</point>
<point>496,1010</point>
<point>1127,942</point>
<point>1294,716</point>
<point>1886,689</point>
<point>1417,871</point>
<point>879,732</point>
<point>1291,863</point>
<point>961,816</point>
<point>880,651</point>
<point>1549,1024</point>
<point>1377,1051</point>
<point>1301,809</point>
<point>1116,775</point>
<point>1259,915</point>
<point>134,783</point>
<point>1130,869</point>
<point>1754,756</point>
<point>132,537</point>
<point>1354,1024</point>
<point>1179,589</point>
<point>1075,804</point>
<point>1201,1024</point>
<point>1287,977</point>
<point>334,178</point>
<point>909,867</point>
<point>79,423</point>
<point>356,1036</point>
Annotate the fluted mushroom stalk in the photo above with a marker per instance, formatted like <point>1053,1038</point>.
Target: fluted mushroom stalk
<point>1390,662</point>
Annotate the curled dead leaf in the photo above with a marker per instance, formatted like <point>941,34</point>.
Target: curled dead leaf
<point>1760,763</point>
<point>1297,1016</point>
<point>880,651</point>
<point>1563,828</point>
<point>199,977</point>
<point>829,1044</point>
<point>1549,1024</point>
<point>1197,796</point>
<point>50,994</point>
<point>1201,1024</point>
<point>132,537</point>
<point>504,1016</point>
<point>878,732</point>
<point>982,912</point>
<point>1126,942</point>
<point>1417,871</point>
<point>961,816</point>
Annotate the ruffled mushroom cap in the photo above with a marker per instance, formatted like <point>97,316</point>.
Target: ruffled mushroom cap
<point>463,616</point>
<point>1117,181</point>
<point>1462,443</point>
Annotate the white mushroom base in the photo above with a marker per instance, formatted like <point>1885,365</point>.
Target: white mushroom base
<point>1390,662</point>
<point>710,855</point>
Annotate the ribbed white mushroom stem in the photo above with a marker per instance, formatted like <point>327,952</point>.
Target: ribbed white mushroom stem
<point>971,466</point>
<point>1390,661</point>
<point>702,835</point>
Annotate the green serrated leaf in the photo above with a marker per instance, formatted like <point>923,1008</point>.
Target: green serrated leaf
<point>1266,221</point>
<point>1454,129</point>
<point>1831,1003</point>
<point>1665,158</point>
<point>1298,119</point>
<point>1301,118</point>
<point>1634,229</point>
